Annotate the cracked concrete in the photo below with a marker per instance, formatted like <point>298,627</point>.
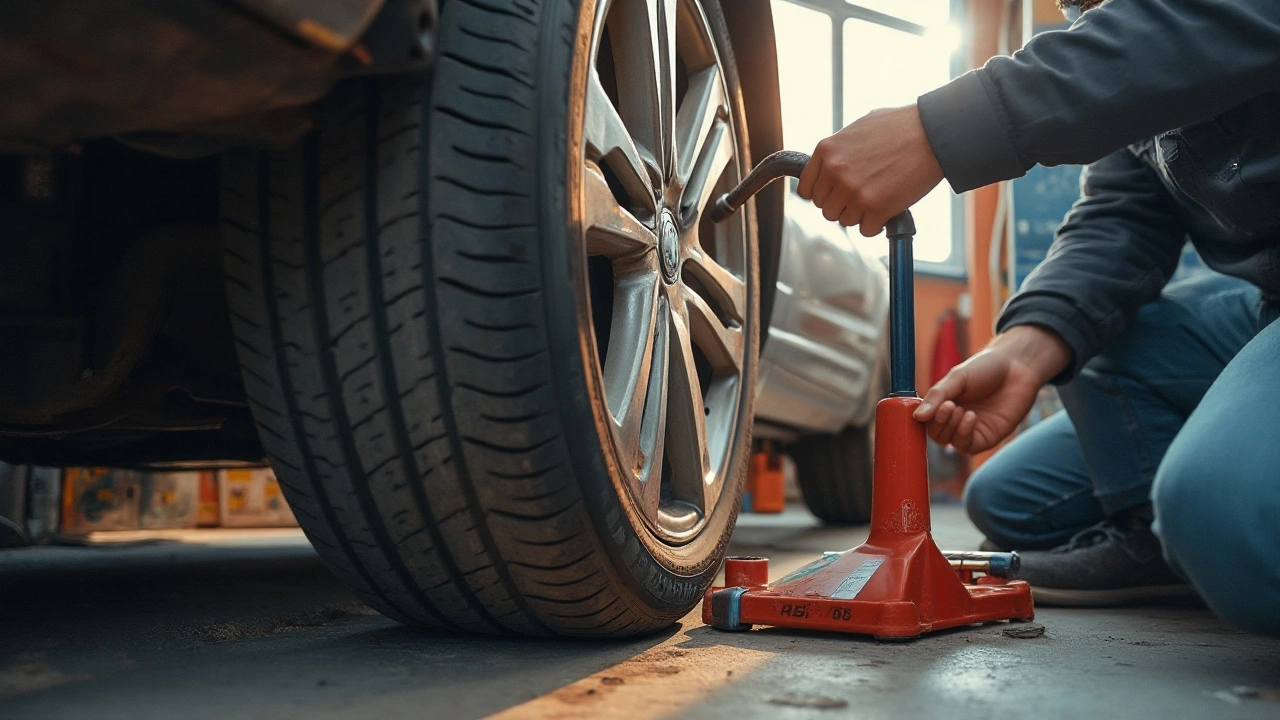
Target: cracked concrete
<point>251,625</point>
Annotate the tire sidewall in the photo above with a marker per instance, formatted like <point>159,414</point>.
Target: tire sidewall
<point>669,578</point>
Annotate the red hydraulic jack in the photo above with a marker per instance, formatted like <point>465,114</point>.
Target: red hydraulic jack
<point>897,584</point>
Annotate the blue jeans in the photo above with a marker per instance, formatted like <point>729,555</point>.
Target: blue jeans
<point>1183,410</point>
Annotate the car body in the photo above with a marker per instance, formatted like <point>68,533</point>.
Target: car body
<point>823,366</point>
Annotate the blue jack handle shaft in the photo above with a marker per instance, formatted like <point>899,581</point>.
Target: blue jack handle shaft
<point>901,230</point>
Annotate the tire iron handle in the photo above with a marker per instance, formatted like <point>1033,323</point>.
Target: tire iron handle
<point>784,163</point>
<point>900,229</point>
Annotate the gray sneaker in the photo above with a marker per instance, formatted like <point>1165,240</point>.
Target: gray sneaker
<point>1116,562</point>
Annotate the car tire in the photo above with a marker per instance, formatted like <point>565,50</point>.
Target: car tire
<point>445,301</point>
<point>834,474</point>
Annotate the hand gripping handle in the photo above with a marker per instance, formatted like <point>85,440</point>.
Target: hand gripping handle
<point>789,163</point>
<point>900,229</point>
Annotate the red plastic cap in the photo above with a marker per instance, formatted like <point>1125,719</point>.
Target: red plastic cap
<point>746,572</point>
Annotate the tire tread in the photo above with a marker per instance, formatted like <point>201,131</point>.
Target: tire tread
<point>834,474</point>
<point>396,351</point>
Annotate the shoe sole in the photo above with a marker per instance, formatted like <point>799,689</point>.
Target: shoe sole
<point>1114,597</point>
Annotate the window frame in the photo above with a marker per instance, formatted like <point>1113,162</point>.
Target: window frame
<point>839,12</point>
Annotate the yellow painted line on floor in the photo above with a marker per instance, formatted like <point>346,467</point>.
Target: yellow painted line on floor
<point>658,683</point>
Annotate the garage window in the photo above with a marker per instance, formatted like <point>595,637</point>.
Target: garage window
<point>838,61</point>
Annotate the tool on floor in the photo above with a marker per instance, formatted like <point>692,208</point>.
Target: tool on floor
<point>766,490</point>
<point>897,584</point>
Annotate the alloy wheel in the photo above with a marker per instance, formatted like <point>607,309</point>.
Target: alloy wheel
<point>668,286</point>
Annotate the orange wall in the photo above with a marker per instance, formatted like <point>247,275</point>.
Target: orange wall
<point>983,27</point>
<point>1046,12</point>
<point>980,205</point>
<point>934,295</point>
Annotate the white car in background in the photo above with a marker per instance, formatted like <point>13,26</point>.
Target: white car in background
<point>825,364</point>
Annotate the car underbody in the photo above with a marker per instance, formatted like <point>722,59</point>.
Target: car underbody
<point>113,319</point>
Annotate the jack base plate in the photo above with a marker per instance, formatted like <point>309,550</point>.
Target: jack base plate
<point>889,593</point>
<point>896,585</point>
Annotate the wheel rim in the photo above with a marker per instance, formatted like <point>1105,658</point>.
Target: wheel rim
<point>668,287</point>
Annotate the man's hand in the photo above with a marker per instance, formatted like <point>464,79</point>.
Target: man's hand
<point>872,170</point>
<point>983,398</point>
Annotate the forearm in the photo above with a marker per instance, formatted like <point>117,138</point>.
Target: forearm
<point>1038,348</point>
<point>1124,71</point>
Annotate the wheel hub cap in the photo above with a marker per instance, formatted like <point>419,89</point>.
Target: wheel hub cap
<point>669,246</point>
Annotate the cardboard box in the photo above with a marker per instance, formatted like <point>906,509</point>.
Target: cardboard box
<point>207,514</point>
<point>169,500</point>
<point>96,499</point>
<point>252,498</point>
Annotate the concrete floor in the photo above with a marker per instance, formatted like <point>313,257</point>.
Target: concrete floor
<point>249,624</point>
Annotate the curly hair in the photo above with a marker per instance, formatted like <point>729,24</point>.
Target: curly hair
<point>1080,5</point>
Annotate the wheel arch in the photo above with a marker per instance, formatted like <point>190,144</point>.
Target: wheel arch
<point>750,24</point>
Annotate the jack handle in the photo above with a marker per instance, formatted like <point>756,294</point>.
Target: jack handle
<point>789,163</point>
<point>784,163</point>
<point>900,229</point>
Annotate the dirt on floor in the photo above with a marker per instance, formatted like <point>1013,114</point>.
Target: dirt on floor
<point>250,625</point>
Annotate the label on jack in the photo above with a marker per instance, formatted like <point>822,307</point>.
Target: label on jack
<point>858,579</point>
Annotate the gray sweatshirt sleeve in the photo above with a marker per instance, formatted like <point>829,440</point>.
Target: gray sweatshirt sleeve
<point>1127,70</point>
<point>1115,251</point>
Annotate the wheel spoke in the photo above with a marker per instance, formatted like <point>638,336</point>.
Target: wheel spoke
<point>631,345</point>
<point>643,36</point>
<point>716,154</point>
<point>635,376</point>
<point>653,428</point>
<point>721,344</point>
<point>610,228</point>
<point>609,142</point>
<point>665,68</point>
<point>725,289</point>
<point>703,104</point>
<point>686,446</point>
